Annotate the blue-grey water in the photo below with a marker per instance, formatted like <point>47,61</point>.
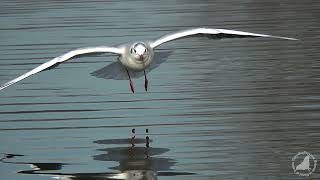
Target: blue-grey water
<point>216,109</point>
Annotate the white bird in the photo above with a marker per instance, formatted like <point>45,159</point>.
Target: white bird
<point>137,56</point>
<point>305,164</point>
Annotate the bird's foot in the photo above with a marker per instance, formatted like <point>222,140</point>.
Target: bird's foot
<point>146,82</point>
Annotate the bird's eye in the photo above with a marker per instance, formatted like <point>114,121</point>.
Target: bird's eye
<point>145,50</point>
<point>133,50</point>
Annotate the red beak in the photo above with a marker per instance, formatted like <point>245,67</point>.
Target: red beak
<point>141,57</point>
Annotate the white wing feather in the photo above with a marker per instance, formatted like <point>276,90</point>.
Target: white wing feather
<point>63,58</point>
<point>214,33</point>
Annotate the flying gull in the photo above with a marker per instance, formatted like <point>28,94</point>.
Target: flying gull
<point>137,56</point>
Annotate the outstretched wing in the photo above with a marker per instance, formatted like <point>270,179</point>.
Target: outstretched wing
<point>210,33</point>
<point>69,55</point>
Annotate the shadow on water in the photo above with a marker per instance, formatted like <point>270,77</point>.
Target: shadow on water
<point>135,162</point>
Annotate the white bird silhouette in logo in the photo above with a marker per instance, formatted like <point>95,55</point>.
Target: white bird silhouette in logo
<point>305,165</point>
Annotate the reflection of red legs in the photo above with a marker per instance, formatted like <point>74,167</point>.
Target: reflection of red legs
<point>147,139</point>
<point>131,83</point>
<point>146,152</point>
<point>145,81</point>
<point>133,137</point>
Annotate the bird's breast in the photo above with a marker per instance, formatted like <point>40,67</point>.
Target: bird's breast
<point>134,64</point>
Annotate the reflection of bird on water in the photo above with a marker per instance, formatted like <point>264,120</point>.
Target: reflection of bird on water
<point>136,175</point>
<point>305,164</point>
<point>135,163</point>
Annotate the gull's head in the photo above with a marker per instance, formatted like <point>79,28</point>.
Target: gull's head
<point>139,51</point>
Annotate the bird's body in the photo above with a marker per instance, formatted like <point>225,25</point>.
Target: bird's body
<point>131,60</point>
<point>138,56</point>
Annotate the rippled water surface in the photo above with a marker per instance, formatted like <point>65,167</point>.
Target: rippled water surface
<point>216,109</point>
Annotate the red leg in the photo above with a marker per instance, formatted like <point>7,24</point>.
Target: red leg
<point>131,83</point>
<point>146,82</point>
